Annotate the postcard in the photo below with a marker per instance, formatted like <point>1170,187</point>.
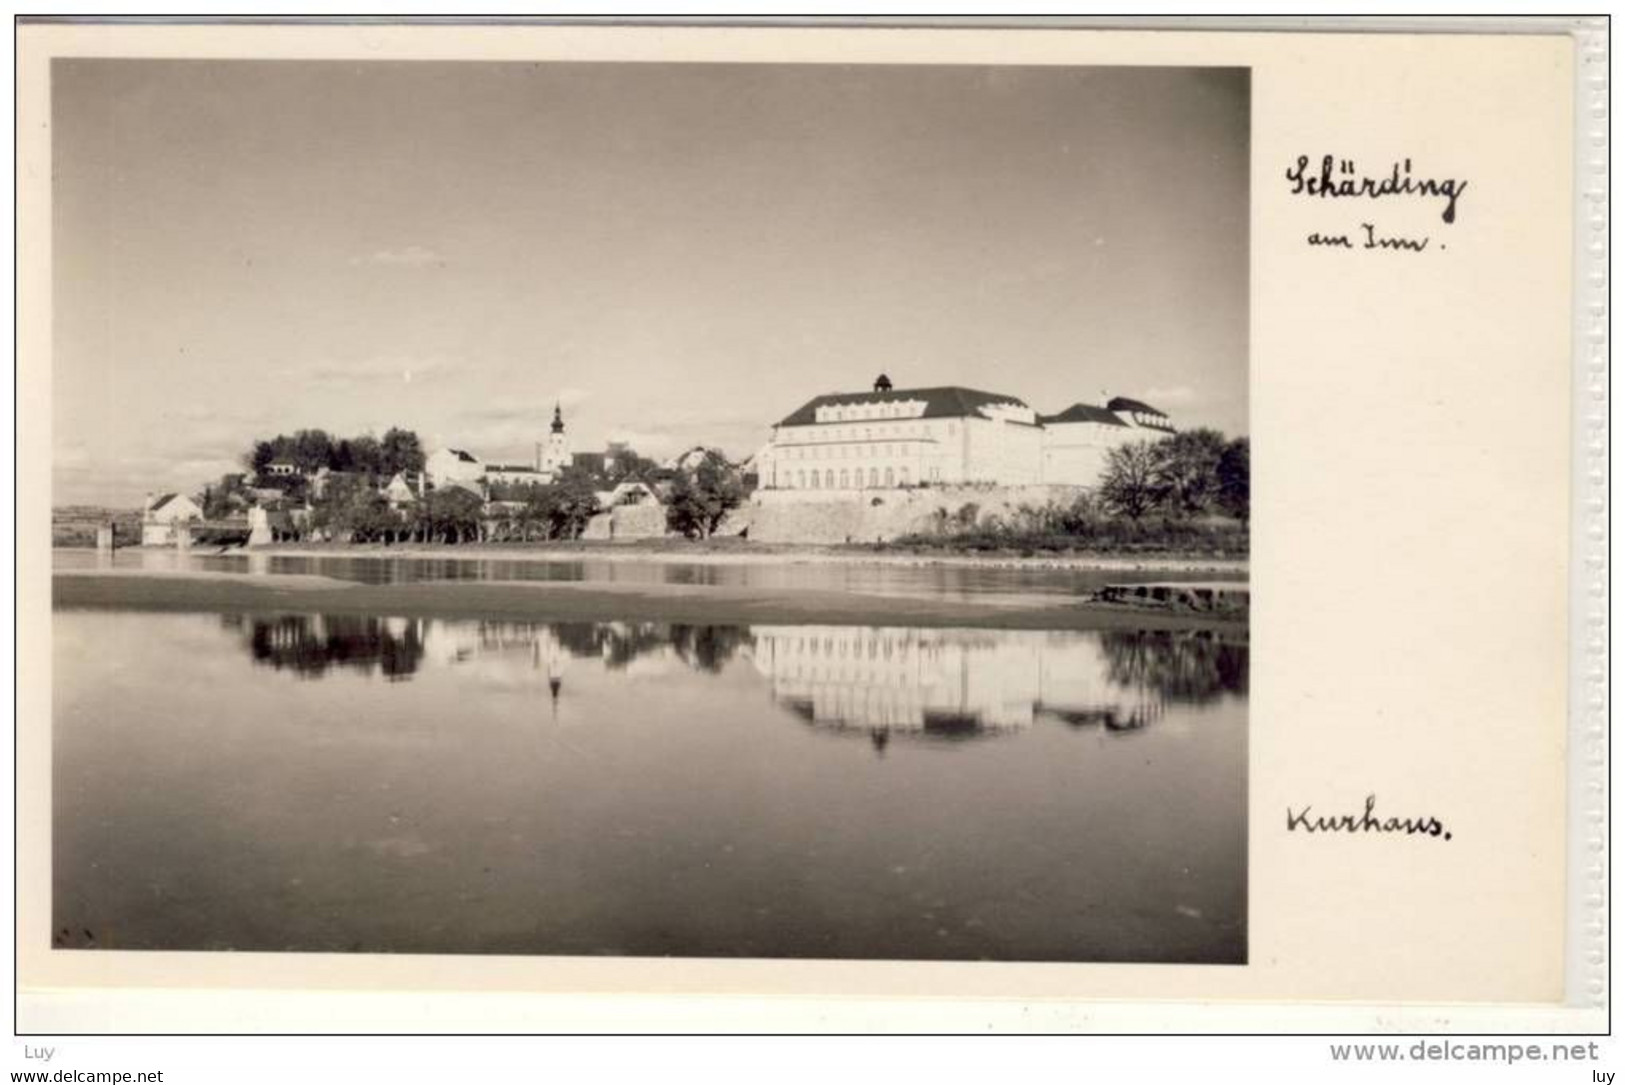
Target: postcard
<point>1040,516</point>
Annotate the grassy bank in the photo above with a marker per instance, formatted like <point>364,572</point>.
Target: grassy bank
<point>1170,538</point>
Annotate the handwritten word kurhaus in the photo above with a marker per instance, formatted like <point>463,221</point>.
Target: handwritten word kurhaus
<point>1338,178</point>
<point>1367,822</point>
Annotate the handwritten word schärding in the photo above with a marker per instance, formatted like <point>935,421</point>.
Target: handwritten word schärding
<point>1338,178</point>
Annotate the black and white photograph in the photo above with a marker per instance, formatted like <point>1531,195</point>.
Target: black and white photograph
<point>650,510</point>
<point>543,530</point>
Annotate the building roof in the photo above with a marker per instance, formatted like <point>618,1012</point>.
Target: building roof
<point>1123,403</point>
<point>512,468</point>
<point>163,500</point>
<point>949,401</point>
<point>1083,412</point>
<point>461,455</point>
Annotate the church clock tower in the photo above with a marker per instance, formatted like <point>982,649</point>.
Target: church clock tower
<point>555,454</point>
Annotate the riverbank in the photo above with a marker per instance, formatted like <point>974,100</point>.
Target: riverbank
<point>732,551</point>
<point>570,601</point>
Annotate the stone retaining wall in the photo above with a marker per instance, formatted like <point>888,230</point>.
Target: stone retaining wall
<point>628,522</point>
<point>836,516</point>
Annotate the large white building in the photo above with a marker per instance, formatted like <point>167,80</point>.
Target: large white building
<point>887,438</point>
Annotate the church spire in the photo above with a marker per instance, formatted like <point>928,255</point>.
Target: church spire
<point>558,418</point>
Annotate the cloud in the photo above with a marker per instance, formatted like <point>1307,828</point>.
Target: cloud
<point>642,439</point>
<point>409,256</point>
<point>1175,396</point>
<point>120,482</point>
<point>394,368</point>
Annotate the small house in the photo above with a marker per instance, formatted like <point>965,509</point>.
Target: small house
<point>161,513</point>
<point>400,491</point>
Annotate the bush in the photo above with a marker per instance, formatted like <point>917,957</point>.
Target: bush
<point>1076,527</point>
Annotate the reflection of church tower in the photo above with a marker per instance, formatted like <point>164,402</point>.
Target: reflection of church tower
<point>553,455</point>
<point>548,647</point>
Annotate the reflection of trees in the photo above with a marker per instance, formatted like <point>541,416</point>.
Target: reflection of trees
<point>708,647</point>
<point>703,647</point>
<point>617,643</point>
<point>1193,666</point>
<point>310,644</point>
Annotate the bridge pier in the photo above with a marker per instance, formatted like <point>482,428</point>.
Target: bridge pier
<point>259,527</point>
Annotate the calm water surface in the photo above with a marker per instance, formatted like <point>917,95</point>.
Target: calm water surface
<point>935,581</point>
<point>263,782</point>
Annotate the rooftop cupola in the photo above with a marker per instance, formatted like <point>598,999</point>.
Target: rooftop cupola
<point>882,383</point>
<point>558,419</point>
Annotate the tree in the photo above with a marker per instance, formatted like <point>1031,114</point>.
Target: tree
<point>572,500</point>
<point>625,463</point>
<point>1130,487</point>
<point>450,514</point>
<point>351,509</point>
<point>701,498</point>
<point>312,449</point>
<point>1187,470</point>
<point>1235,479</point>
<point>259,456</point>
<point>400,451</point>
<point>366,455</point>
<point>229,498</point>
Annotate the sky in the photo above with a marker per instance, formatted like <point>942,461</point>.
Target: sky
<point>677,253</point>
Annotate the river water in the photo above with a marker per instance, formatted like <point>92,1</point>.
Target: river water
<point>336,783</point>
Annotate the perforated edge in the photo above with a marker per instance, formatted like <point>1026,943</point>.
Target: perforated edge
<point>1588,713</point>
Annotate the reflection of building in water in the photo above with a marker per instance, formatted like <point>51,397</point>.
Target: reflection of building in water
<point>309,644</point>
<point>949,682</point>
<point>515,652</point>
<point>619,645</point>
<point>519,652</point>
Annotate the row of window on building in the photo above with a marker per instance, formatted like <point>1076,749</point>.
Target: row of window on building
<point>845,479</point>
<point>875,646</point>
<point>892,409</point>
<point>918,431</point>
<point>836,451</point>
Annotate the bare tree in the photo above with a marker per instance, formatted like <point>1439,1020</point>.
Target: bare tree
<point>1130,487</point>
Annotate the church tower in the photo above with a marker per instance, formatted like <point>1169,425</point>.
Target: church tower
<point>555,454</point>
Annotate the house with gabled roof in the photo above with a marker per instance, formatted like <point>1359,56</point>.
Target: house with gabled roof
<point>448,465</point>
<point>161,513</point>
<point>402,489</point>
